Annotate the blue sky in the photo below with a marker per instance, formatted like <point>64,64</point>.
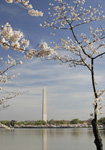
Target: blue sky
<point>69,91</point>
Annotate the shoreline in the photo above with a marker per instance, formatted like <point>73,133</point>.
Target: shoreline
<point>51,126</point>
<point>54,126</point>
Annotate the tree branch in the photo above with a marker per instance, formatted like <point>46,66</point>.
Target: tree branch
<point>99,55</point>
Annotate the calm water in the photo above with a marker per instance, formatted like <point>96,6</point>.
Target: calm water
<point>48,139</point>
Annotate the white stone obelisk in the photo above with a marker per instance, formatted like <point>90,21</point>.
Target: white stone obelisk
<point>44,106</point>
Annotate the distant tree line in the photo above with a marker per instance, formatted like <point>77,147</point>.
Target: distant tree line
<point>101,121</point>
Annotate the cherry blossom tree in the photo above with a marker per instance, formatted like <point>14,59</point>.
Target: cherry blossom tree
<point>77,49</point>
<point>10,38</point>
<point>15,40</point>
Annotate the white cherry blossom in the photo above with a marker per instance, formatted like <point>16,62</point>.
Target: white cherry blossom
<point>5,76</point>
<point>25,4</point>
<point>37,13</point>
<point>9,1</point>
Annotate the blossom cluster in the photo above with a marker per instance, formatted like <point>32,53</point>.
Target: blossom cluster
<point>5,76</point>
<point>44,51</point>
<point>67,16</point>
<point>5,96</point>
<point>11,38</point>
<point>28,6</point>
<point>15,40</point>
<point>36,13</point>
<point>9,63</point>
<point>98,105</point>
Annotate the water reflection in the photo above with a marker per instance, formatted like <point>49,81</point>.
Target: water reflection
<point>90,132</point>
<point>102,132</point>
<point>44,139</point>
<point>48,139</point>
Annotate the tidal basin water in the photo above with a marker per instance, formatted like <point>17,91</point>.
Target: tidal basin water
<point>48,139</point>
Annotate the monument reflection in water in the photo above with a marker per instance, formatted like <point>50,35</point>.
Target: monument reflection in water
<point>44,139</point>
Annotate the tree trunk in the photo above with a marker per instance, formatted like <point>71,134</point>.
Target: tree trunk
<point>98,140</point>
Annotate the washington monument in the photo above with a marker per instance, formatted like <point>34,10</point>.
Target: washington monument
<point>44,106</point>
